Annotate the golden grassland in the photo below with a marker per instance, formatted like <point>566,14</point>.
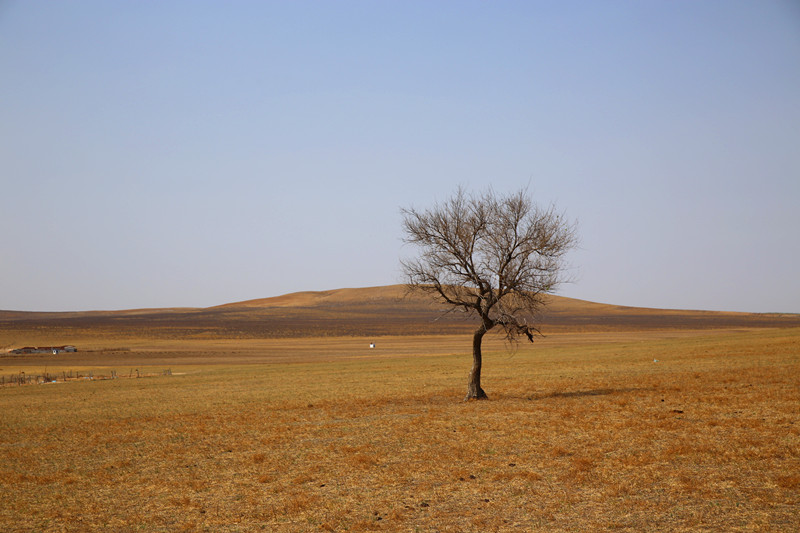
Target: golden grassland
<point>582,432</point>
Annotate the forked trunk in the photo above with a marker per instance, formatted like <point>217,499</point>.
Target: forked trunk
<point>474,390</point>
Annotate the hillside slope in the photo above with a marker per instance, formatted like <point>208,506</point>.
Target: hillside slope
<point>369,311</point>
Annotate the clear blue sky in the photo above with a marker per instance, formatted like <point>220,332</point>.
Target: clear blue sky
<point>158,154</point>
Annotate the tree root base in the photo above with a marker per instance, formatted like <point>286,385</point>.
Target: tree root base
<point>473,397</point>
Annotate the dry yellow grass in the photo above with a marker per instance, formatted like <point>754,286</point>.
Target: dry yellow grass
<point>582,433</point>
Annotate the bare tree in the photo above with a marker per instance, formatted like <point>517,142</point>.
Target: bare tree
<point>493,257</point>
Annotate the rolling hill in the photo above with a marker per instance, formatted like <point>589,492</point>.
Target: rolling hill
<point>370,311</point>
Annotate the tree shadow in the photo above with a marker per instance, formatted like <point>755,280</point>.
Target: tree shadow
<point>582,393</point>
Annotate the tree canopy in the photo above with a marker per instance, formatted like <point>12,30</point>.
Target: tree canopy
<point>493,257</point>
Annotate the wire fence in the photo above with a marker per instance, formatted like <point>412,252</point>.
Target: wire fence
<point>22,378</point>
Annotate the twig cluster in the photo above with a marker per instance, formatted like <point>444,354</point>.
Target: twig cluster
<point>490,256</point>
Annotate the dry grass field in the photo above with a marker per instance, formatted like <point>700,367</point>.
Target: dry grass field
<point>659,428</point>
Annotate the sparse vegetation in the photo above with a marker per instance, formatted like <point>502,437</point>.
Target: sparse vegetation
<point>586,432</point>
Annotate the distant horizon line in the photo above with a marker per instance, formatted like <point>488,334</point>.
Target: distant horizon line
<point>235,302</point>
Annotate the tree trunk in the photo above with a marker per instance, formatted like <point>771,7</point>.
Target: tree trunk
<point>474,390</point>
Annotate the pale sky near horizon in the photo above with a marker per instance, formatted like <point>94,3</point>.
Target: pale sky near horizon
<point>182,153</point>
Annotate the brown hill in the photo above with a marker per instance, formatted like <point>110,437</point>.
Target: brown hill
<point>370,311</point>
